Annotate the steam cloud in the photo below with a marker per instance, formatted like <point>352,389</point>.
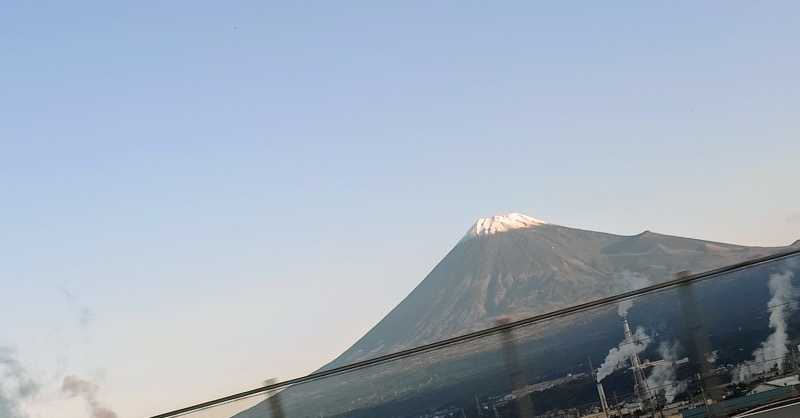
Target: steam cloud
<point>662,379</point>
<point>619,355</point>
<point>632,282</point>
<point>772,351</point>
<point>16,385</point>
<point>74,387</point>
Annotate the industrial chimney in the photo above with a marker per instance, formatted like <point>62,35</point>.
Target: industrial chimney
<point>603,401</point>
<point>600,391</point>
<point>642,391</point>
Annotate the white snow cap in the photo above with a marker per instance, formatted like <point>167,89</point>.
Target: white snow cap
<point>502,223</point>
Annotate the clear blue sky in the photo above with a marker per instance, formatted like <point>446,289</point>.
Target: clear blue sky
<point>198,196</point>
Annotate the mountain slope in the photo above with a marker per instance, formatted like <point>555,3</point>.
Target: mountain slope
<point>518,266</point>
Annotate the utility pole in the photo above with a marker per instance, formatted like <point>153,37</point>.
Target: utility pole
<point>699,338</point>
<point>600,391</point>
<point>705,401</point>
<point>274,400</point>
<point>515,372</point>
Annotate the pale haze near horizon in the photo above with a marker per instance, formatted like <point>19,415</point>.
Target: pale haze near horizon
<point>199,197</point>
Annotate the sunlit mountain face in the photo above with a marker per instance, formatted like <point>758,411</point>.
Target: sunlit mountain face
<point>518,266</point>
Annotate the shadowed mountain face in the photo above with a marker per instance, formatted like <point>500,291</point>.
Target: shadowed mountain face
<point>517,266</point>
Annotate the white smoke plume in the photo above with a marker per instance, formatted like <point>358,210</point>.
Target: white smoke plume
<point>16,385</point>
<point>772,352</point>
<point>662,379</point>
<point>74,387</point>
<point>620,355</point>
<point>631,282</point>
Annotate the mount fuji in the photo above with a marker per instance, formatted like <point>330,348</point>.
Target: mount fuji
<point>518,266</point>
<point>510,266</point>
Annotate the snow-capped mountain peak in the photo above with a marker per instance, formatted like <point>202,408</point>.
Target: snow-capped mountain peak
<point>543,267</point>
<point>502,223</point>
